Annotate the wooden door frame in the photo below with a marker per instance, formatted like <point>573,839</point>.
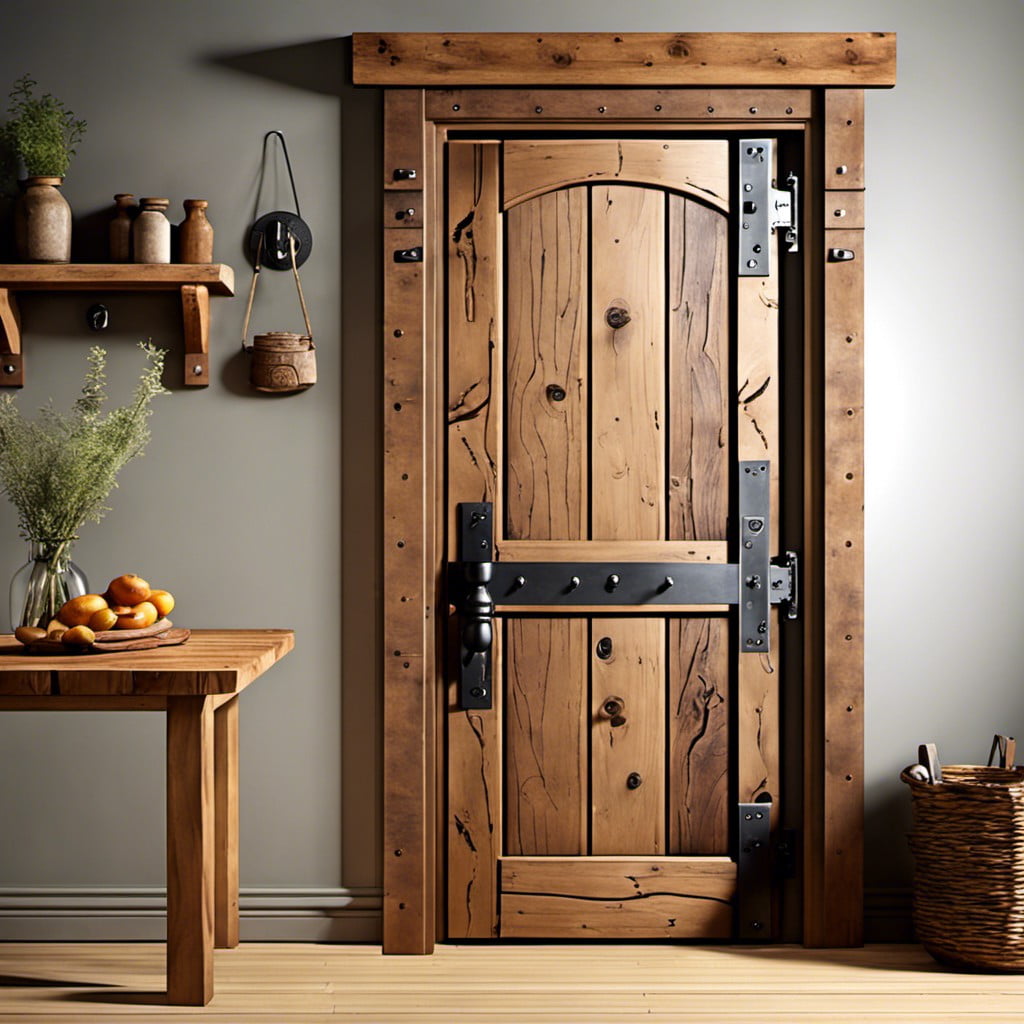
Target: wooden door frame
<point>762,82</point>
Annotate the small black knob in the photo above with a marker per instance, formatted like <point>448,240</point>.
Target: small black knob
<point>556,393</point>
<point>634,780</point>
<point>612,582</point>
<point>574,582</point>
<point>604,650</point>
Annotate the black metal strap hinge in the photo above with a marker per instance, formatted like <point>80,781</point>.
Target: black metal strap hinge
<point>753,872</point>
<point>482,588</point>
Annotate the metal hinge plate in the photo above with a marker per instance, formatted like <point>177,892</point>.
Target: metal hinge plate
<point>754,872</point>
<point>764,208</point>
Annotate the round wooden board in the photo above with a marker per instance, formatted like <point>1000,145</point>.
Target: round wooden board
<point>168,638</point>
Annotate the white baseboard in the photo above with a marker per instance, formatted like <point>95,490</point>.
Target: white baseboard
<point>127,915</point>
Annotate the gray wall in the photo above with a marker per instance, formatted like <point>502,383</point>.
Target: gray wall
<point>262,511</point>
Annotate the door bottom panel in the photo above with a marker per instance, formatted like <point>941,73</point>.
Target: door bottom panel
<point>617,897</point>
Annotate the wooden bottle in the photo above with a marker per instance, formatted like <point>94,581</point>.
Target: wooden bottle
<point>151,233</point>
<point>121,228</point>
<point>195,237</point>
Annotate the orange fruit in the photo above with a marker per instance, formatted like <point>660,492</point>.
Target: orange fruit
<point>79,610</point>
<point>128,589</point>
<point>103,619</point>
<point>139,617</point>
<point>29,634</point>
<point>163,602</point>
<point>78,636</point>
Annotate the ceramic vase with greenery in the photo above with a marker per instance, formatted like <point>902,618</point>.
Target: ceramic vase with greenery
<point>58,471</point>
<point>41,134</point>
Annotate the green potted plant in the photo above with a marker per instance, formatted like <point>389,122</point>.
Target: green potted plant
<point>41,134</point>
<point>58,470</point>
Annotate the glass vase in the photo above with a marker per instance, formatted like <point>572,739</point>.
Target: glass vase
<point>44,583</point>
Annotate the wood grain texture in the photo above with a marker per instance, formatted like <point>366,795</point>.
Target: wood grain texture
<point>225,824</point>
<point>213,661</point>
<point>218,278</point>
<point>627,364</point>
<point>474,400</point>
<point>700,168</point>
<point>546,724</point>
<point>844,210</point>
<point>843,563</point>
<point>190,851</point>
<point>631,58</point>
<point>475,350</point>
<point>654,106</point>
<point>628,820</point>
<point>195,312</point>
<point>546,485</point>
<point>474,810</point>
<point>403,139</point>
<point>698,371</point>
<point>699,710</point>
<point>844,139</point>
<point>12,373</point>
<point>611,551</point>
<point>617,897</point>
<point>533,983</point>
<point>408,907</point>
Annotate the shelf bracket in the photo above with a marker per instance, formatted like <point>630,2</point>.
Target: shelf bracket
<point>12,373</point>
<point>195,309</point>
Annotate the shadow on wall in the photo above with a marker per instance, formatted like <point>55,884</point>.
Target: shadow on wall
<point>325,67</point>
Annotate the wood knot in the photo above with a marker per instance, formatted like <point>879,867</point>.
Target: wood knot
<point>616,317</point>
<point>852,57</point>
<point>563,60</point>
<point>678,48</point>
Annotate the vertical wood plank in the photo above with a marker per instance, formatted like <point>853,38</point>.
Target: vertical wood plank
<point>475,352</point>
<point>844,138</point>
<point>225,782</point>
<point>408,917</point>
<point>698,777</point>
<point>547,335</point>
<point>628,364</point>
<point>546,716</point>
<point>190,850</point>
<point>698,361</point>
<point>628,820</point>
<point>843,564</point>
<point>474,809</point>
<point>403,139</point>
<point>833,849</point>
<point>757,368</point>
<point>474,401</point>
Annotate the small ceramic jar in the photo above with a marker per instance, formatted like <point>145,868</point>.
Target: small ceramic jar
<point>151,233</point>
<point>195,236</point>
<point>121,228</point>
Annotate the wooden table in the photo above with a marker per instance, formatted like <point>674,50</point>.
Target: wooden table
<point>197,685</point>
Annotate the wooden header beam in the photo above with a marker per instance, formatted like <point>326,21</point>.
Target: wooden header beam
<point>835,59</point>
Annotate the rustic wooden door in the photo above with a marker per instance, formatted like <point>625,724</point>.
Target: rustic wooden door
<point>610,375</point>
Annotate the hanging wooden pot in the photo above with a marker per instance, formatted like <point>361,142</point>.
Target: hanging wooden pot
<point>282,361</point>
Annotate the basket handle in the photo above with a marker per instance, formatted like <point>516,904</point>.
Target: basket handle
<point>1007,749</point>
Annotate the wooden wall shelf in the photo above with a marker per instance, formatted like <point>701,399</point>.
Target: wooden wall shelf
<point>195,282</point>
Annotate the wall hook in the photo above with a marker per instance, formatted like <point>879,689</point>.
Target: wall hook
<point>97,317</point>
<point>270,235</point>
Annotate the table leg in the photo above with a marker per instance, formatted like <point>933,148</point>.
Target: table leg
<point>225,754</point>
<point>190,852</point>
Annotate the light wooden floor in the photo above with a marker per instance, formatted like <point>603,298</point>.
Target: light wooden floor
<point>305,983</point>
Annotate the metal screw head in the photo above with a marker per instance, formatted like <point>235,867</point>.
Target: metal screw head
<point>197,370</point>
<point>9,368</point>
<point>556,393</point>
<point>634,780</point>
<point>478,692</point>
<point>755,525</point>
<point>601,110</point>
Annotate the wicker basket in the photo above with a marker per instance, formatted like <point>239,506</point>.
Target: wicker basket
<point>968,846</point>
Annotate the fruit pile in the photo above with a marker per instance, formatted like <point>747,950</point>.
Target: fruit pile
<point>128,603</point>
